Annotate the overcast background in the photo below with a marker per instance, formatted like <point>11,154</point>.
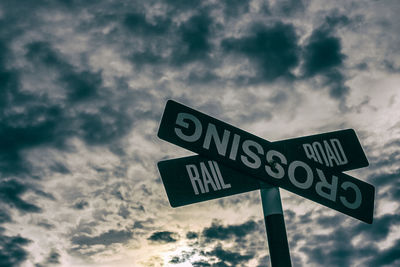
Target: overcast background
<point>83,85</point>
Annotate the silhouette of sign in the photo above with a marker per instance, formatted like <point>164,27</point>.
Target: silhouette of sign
<point>311,170</point>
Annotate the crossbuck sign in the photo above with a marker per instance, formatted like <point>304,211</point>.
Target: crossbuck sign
<point>233,161</point>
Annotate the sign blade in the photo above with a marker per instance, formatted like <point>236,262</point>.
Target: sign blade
<point>343,145</point>
<point>339,150</point>
<point>195,179</point>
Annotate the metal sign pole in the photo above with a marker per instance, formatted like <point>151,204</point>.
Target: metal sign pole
<point>275,226</point>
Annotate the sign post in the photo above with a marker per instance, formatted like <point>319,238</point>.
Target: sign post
<point>275,226</point>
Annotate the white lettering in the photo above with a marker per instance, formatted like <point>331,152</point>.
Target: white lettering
<point>357,202</point>
<point>180,120</point>
<point>324,184</point>
<point>309,152</point>
<point>256,159</point>
<point>330,155</point>
<point>336,145</point>
<point>221,179</point>
<point>194,178</point>
<point>235,146</point>
<point>317,146</point>
<point>213,134</point>
<point>210,164</point>
<point>207,179</point>
<point>291,173</point>
<point>277,171</point>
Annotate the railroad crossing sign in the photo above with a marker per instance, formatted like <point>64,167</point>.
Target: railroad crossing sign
<point>189,180</point>
<point>308,166</point>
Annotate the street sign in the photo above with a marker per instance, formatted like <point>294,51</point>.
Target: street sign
<point>339,150</point>
<point>313,174</point>
<point>195,179</point>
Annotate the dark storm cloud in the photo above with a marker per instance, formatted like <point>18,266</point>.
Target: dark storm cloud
<point>79,85</point>
<point>389,179</point>
<point>219,232</point>
<point>337,249</point>
<point>388,257</point>
<point>336,81</point>
<point>228,256</point>
<point>102,128</point>
<point>234,8</point>
<point>53,258</point>
<point>323,55</point>
<point>194,42</point>
<point>273,48</point>
<point>201,264</point>
<point>11,192</point>
<point>191,235</point>
<point>12,252</point>
<point>4,216</point>
<point>183,4</point>
<point>82,85</point>
<point>331,250</point>
<point>340,252</point>
<point>328,221</point>
<point>18,131</point>
<point>47,123</point>
<point>187,42</point>
<point>107,238</point>
<point>8,80</point>
<point>380,229</point>
<point>42,53</point>
<point>163,237</point>
<point>177,260</point>
<point>22,131</point>
<point>138,24</point>
<point>289,7</point>
<point>385,159</point>
<point>80,204</point>
<point>209,244</point>
<point>183,257</point>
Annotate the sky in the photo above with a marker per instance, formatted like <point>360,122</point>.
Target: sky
<point>83,85</point>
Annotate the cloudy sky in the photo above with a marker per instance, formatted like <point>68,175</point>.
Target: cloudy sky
<point>83,85</point>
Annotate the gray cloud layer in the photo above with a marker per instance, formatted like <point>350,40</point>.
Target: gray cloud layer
<point>99,72</point>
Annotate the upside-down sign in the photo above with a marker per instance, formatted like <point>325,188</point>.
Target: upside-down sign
<point>310,168</point>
